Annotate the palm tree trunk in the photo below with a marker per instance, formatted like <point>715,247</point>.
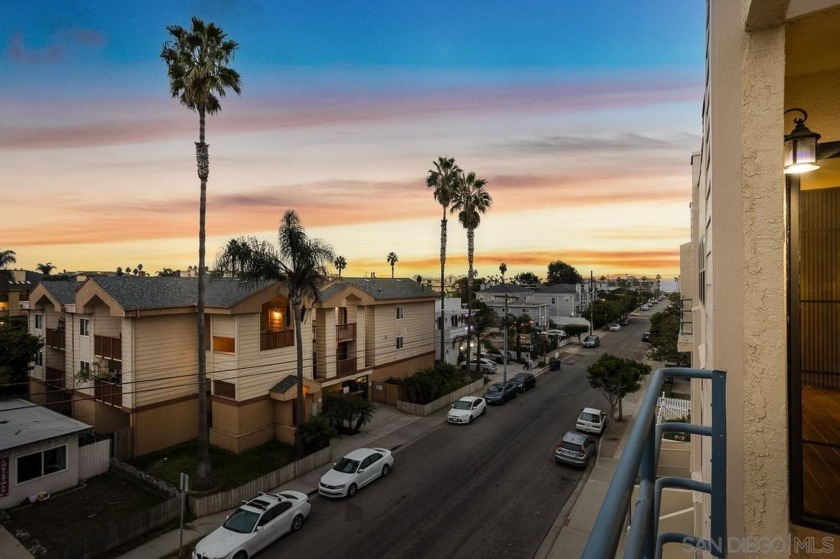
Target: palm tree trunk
<point>470,252</point>
<point>204,470</point>
<point>300,409</point>
<point>442,291</point>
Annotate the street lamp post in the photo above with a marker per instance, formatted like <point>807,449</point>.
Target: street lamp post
<point>591,303</point>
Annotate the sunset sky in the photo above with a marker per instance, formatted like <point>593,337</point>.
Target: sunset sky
<point>582,117</point>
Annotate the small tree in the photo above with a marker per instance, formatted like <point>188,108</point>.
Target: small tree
<point>316,432</point>
<point>560,272</point>
<point>616,377</point>
<point>18,348</point>
<point>576,330</point>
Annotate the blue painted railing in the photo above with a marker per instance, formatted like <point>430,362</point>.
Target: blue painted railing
<point>641,456</point>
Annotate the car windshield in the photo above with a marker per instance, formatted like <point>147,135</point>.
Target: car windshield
<point>590,417</point>
<point>495,388</point>
<point>589,339</point>
<point>519,378</point>
<point>462,405</point>
<point>346,466</point>
<point>242,521</point>
<point>571,446</point>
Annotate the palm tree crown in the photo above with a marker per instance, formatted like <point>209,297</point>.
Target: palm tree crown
<point>392,259</point>
<point>6,257</point>
<point>503,270</point>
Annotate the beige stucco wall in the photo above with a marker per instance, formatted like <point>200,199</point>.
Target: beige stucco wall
<point>164,426</point>
<point>240,427</point>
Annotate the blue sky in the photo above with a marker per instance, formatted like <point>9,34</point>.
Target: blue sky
<point>587,111</point>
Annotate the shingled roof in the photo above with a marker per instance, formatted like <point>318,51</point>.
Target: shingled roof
<point>137,293</point>
<point>382,288</point>
<point>63,291</point>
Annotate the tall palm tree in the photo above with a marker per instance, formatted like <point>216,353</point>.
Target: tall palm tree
<point>503,270</point>
<point>471,200</point>
<point>392,259</point>
<point>7,257</point>
<point>340,263</point>
<point>298,261</point>
<point>443,179</point>
<point>197,62</point>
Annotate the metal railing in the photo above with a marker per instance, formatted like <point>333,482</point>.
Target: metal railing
<point>641,456</point>
<point>686,322</point>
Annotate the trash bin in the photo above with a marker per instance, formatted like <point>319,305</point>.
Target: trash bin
<point>555,365</point>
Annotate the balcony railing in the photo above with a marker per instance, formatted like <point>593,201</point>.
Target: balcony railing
<point>346,367</point>
<point>108,392</point>
<point>55,338</point>
<point>345,332</point>
<point>641,456</point>
<point>107,348</point>
<point>55,377</point>
<point>274,340</point>
<point>686,323</point>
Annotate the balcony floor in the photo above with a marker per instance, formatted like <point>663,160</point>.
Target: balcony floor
<point>821,450</point>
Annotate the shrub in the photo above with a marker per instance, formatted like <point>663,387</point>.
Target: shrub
<point>430,384</point>
<point>316,433</point>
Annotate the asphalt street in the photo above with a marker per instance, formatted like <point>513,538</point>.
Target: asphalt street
<point>488,489</point>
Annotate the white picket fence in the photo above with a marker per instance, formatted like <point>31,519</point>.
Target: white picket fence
<point>671,409</point>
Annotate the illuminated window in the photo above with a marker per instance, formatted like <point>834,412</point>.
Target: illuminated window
<point>224,345</point>
<point>275,319</point>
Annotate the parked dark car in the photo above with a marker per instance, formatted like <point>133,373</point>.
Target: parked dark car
<point>500,393</point>
<point>591,341</point>
<point>576,449</point>
<point>524,381</point>
<point>646,336</point>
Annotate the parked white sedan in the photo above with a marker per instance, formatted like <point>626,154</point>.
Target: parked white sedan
<point>255,525</point>
<point>356,470</point>
<point>466,409</point>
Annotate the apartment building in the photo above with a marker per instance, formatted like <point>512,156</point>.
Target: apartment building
<point>121,353</point>
<point>453,322</point>
<point>542,303</point>
<point>759,278</point>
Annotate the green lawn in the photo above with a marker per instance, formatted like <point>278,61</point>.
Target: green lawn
<point>231,470</point>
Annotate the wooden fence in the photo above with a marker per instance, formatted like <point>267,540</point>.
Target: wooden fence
<point>94,459</point>
<point>202,506</point>
<point>433,406</point>
<point>112,534</point>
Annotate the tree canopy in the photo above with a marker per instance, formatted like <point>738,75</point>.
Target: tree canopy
<point>664,331</point>
<point>560,272</point>
<point>526,278</point>
<point>616,377</point>
<point>18,348</point>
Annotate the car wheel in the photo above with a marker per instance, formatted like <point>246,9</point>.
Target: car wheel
<point>484,411</point>
<point>469,420</point>
<point>241,555</point>
<point>297,522</point>
<point>352,490</point>
<point>386,469</point>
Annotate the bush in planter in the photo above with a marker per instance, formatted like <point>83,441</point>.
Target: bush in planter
<point>430,384</point>
<point>348,413</point>
<point>316,433</point>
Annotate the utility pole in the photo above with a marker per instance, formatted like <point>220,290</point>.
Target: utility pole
<point>505,337</point>
<point>591,303</point>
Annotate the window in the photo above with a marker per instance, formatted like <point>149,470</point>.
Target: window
<point>275,319</point>
<point>39,321</point>
<point>400,312</point>
<point>399,342</point>
<point>554,300</point>
<point>224,345</point>
<point>39,359</point>
<point>84,368</point>
<point>40,464</point>
<point>84,327</point>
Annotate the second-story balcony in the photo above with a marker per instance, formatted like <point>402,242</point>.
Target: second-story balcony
<point>685,338</point>
<point>55,338</point>
<point>55,377</point>
<point>345,332</point>
<point>345,367</point>
<point>274,340</point>
<point>107,348</point>
<point>108,392</point>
